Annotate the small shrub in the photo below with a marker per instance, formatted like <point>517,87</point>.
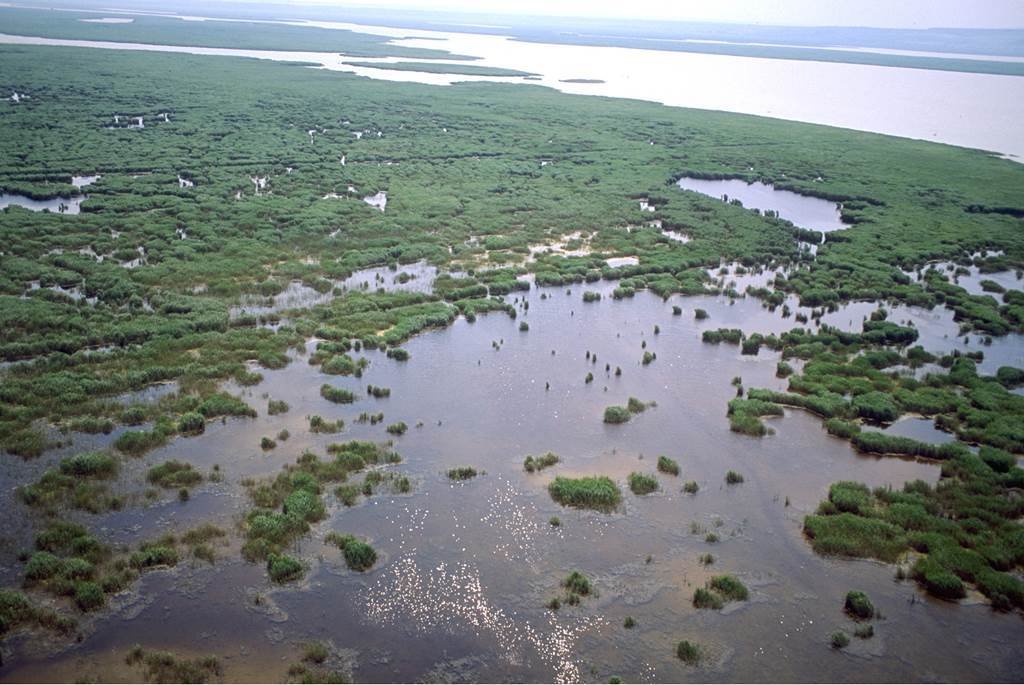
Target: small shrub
<point>284,569</point>
<point>642,483</point>
<point>174,474</point>
<point>669,466</point>
<point>691,487</point>
<point>730,588</point>
<point>359,556</point>
<point>630,622</point>
<point>706,599</point>
<point>531,463</point>
<point>192,423</point>
<point>398,428</point>
<point>688,652</point>
<point>864,632</point>
<point>839,640</point>
<point>336,395</point>
<point>733,478</point>
<point>858,605</point>
<point>616,414</point>
<point>577,583</point>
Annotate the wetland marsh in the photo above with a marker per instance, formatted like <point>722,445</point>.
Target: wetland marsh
<point>337,408</point>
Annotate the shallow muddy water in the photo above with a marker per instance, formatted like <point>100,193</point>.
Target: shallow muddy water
<point>57,205</point>
<point>465,569</point>
<point>804,211</point>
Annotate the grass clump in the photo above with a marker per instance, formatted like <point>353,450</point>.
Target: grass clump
<point>616,414</point>
<point>691,487</point>
<point>462,473</point>
<point>75,483</point>
<point>706,599</point>
<point>669,466</point>
<point>161,552</point>
<point>733,478</point>
<point>642,483</point>
<point>745,416</point>
<point>275,407</point>
<point>17,610</point>
<point>839,640</point>
<point>532,464</point>
<point>398,428</point>
<point>284,569</point>
<point>858,605</point>
<point>576,586</point>
<point>689,653</point>
<point>318,424</point>
<point>591,492</point>
<point>620,414</point>
<point>359,555</point>
<point>719,591</point>
<point>165,667</point>
<point>864,632</point>
<point>174,474</point>
<point>730,588</point>
<point>337,395</point>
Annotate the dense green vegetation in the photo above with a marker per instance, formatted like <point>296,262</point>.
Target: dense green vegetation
<point>858,605</point>
<point>642,483</point>
<point>287,505</point>
<point>191,337</point>
<point>359,556</point>
<point>719,591</point>
<point>590,492</point>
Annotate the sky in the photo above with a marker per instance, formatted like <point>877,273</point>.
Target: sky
<point>874,13</point>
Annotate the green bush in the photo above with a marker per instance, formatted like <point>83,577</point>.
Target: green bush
<point>669,466</point>
<point>359,556</point>
<point>730,588</point>
<point>577,583</point>
<point>191,423</point>
<point>689,653</point>
<point>706,599</point>
<point>336,395</point>
<point>858,605</point>
<point>616,414</point>
<point>642,483</point>
<point>462,473</point>
<point>89,464</point>
<point>174,474</point>
<point>284,569</point>
<point>593,492</point>
<point>531,463</point>
<point>89,595</point>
